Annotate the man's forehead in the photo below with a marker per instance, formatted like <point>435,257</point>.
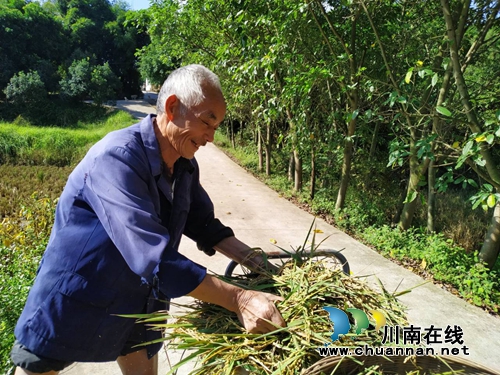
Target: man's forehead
<point>213,110</point>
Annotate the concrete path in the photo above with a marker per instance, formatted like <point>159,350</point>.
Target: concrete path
<point>258,215</point>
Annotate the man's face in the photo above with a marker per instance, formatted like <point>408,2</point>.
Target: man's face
<point>187,132</point>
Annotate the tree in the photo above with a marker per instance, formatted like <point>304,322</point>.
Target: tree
<point>491,247</point>
<point>26,89</point>
<point>32,39</point>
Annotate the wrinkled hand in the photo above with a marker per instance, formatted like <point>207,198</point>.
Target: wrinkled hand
<point>257,312</point>
<point>259,264</point>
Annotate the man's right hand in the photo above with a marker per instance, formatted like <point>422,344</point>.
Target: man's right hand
<point>257,311</point>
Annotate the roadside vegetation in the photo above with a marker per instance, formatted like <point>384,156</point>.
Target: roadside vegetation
<point>448,258</point>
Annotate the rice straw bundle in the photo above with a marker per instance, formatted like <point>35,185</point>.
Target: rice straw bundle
<point>220,344</point>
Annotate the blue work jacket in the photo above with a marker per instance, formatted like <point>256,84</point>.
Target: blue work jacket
<point>113,248</point>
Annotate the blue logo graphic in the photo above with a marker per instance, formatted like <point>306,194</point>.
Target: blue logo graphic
<point>341,325</point>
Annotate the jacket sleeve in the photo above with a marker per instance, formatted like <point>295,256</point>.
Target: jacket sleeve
<point>119,190</point>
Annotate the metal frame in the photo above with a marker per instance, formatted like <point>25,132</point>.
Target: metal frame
<point>284,255</point>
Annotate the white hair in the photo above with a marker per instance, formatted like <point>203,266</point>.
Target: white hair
<point>187,84</point>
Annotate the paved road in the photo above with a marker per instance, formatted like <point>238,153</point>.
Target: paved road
<point>258,214</point>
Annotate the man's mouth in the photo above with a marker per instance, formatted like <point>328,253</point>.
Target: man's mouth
<point>197,145</point>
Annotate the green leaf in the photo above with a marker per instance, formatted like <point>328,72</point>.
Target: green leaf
<point>491,201</point>
<point>408,75</point>
<point>488,187</point>
<point>490,138</point>
<point>471,182</point>
<point>355,114</point>
<point>476,204</point>
<point>411,197</point>
<point>444,111</point>
<point>467,148</point>
<point>434,80</point>
<point>498,115</point>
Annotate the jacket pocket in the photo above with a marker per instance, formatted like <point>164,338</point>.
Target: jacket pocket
<point>71,314</point>
<point>81,289</point>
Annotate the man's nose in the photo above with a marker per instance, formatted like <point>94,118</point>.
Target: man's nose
<point>209,136</point>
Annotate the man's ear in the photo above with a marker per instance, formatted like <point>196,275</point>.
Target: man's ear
<point>172,107</point>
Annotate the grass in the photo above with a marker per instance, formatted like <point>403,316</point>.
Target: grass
<point>25,144</point>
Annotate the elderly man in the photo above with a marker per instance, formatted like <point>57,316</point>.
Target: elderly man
<point>114,245</point>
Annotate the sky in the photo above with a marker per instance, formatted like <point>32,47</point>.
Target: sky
<point>138,4</point>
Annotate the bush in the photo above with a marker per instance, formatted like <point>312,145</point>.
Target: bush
<point>89,81</point>
<point>103,84</point>
<point>26,89</point>
<point>19,181</point>
<point>77,82</point>
<point>440,257</point>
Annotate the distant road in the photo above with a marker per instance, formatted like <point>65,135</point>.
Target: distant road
<point>139,108</point>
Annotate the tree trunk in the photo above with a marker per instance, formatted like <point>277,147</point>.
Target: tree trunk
<point>268,149</point>
<point>313,175</point>
<point>431,198</point>
<point>259,150</point>
<point>474,123</point>
<point>417,170</point>
<point>348,152</point>
<point>291,167</point>
<point>298,170</point>
<point>491,246</point>
<point>346,174</point>
<point>373,146</point>
<point>232,135</point>
<point>410,203</point>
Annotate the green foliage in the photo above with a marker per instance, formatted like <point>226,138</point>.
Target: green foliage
<point>436,256</point>
<point>76,84</point>
<point>26,89</point>
<point>245,155</point>
<point>52,38</point>
<point>85,80</point>
<point>23,238</point>
<point>103,84</point>
<point>31,145</point>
